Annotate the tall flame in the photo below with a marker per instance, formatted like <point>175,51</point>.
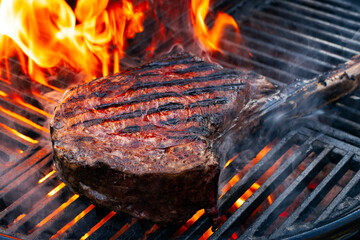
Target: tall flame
<point>49,32</point>
<point>209,38</point>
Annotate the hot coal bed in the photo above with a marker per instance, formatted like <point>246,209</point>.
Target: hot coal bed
<point>298,181</point>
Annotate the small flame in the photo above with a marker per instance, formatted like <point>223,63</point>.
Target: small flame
<point>209,38</point>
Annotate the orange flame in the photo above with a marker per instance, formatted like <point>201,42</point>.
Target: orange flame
<point>50,33</point>
<point>209,38</point>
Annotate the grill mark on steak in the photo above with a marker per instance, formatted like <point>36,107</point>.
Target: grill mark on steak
<point>158,95</point>
<point>162,108</point>
<point>171,83</point>
<point>151,96</point>
<point>182,81</point>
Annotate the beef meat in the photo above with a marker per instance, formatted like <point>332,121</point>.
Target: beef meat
<point>147,141</point>
<point>142,141</point>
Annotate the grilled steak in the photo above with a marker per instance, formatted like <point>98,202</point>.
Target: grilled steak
<point>146,141</point>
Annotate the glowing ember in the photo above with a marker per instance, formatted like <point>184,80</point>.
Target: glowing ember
<point>209,38</point>
<point>231,160</point>
<point>56,189</point>
<point>20,101</point>
<point>70,224</point>
<point>20,135</point>
<point>150,231</point>
<point>23,119</point>
<point>123,229</point>
<point>98,225</point>
<point>206,234</point>
<point>3,94</point>
<point>46,176</point>
<point>234,236</point>
<point>248,194</point>
<point>189,222</point>
<point>19,218</point>
<point>237,177</point>
<point>57,211</point>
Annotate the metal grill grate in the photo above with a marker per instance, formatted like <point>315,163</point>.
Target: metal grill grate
<point>282,40</point>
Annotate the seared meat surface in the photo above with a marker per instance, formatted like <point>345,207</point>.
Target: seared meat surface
<point>142,141</point>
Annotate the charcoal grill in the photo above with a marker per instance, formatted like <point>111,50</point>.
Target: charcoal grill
<point>307,179</point>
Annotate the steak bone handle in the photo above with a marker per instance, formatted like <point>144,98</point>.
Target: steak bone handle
<point>303,96</point>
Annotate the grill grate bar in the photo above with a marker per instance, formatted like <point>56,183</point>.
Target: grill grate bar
<point>196,229</point>
<point>303,37</point>
<point>346,111</point>
<point>314,12</point>
<point>341,4</point>
<point>23,198</point>
<point>291,44</point>
<point>330,8</point>
<point>17,138</point>
<point>278,77</point>
<point>23,170</point>
<point>264,57</point>
<point>287,54</point>
<point>45,223</point>
<point>328,27</point>
<point>341,123</point>
<point>331,141</point>
<point>286,198</point>
<point>265,189</point>
<point>255,172</point>
<point>291,23</point>
<point>335,133</point>
<point>40,205</point>
<point>312,200</point>
<point>339,198</point>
